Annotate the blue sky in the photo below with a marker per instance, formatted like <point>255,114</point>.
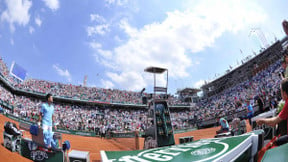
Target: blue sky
<point>113,41</point>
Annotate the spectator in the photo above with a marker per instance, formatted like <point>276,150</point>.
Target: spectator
<point>224,126</point>
<point>283,115</point>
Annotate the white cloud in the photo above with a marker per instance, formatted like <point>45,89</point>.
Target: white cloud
<point>31,29</point>
<point>11,41</point>
<point>98,29</point>
<point>199,84</point>
<point>116,2</point>
<point>102,56</point>
<point>95,45</point>
<point>62,72</point>
<point>164,43</point>
<point>38,21</point>
<point>52,4</point>
<point>17,12</point>
<point>127,28</point>
<point>97,18</point>
<point>105,53</point>
<point>118,39</point>
<point>104,62</point>
<point>107,84</point>
<point>130,80</point>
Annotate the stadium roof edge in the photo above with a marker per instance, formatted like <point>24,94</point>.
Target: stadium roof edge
<point>247,62</point>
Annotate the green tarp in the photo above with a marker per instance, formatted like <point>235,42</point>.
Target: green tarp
<point>237,148</point>
<point>276,154</point>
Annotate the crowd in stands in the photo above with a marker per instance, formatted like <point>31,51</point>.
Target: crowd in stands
<point>88,118</point>
<point>80,92</point>
<point>75,117</point>
<point>265,84</point>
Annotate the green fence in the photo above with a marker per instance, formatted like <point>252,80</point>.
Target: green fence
<point>92,134</point>
<point>81,133</point>
<point>123,135</point>
<point>18,119</point>
<point>184,130</point>
<point>6,105</point>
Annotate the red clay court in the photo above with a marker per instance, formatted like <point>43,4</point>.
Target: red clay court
<point>95,144</point>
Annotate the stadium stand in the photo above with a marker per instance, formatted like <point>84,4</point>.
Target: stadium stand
<point>92,108</point>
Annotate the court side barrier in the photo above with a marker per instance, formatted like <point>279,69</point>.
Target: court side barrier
<point>17,119</point>
<point>81,133</point>
<point>214,121</point>
<point>236,148</point>
<point>184,130</point>
<point>269,131</point>
<point>85,133</point>
<point>5,104</point>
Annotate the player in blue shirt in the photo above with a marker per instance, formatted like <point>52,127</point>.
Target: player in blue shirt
<point>250,111</point>
<point>47,118</point>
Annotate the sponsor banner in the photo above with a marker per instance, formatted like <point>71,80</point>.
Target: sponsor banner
<point>63,131</point>
<point>84,133</point>
<point>184,130</point>
<point>123,135</point>
<point>76,132</point>
<point>215,149</point>
<point>38,155</point>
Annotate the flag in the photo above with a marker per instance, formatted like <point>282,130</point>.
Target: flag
<point>85,80</point>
